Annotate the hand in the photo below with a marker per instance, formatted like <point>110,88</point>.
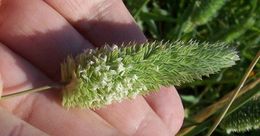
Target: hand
<point>36,36</point>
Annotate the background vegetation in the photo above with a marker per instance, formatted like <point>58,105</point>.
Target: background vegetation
<point>234,21</point>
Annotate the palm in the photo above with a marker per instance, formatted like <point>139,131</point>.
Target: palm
<point>42,34</point>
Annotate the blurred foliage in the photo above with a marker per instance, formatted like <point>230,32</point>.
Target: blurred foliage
<point>236,22</point>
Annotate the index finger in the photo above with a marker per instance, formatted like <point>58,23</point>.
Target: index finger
<point>100,21</point>
<point>38,33</point>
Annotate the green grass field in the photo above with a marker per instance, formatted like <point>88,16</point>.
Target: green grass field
<point>236,22</point>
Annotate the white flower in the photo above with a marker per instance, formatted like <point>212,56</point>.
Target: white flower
<point>144,87</point>
<point>119,59</point>
<point>119,87</point>
<point>135,77</point>
<point>135,93</point>
<point>113,72</point>
<point>91,62</point>
<point>114,47</point>
<point>109,98</point>
<point>120,67</point>
<point>105,78</point>
<point>129,85</point>
<point>109,86</point>
<point>157,69</point>
<point>105,58</point>
<point>130,66</point>
<point>84,74</point>
<point>95,87</point>
<point>107,67</point>
<point>103,83</point>
<point>97,69</point>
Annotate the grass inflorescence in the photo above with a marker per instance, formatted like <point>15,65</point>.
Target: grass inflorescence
<point>101,76</point>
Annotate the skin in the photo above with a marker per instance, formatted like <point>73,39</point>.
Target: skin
<point>36,35</point>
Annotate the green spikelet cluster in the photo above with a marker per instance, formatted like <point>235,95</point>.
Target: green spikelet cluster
<point>237,30</point>
<point>101,76</point>
<point>244,119</point>
<point>203,12</point>
<point>206,11</point>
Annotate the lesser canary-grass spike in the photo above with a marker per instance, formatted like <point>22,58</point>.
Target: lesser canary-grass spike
<point>109,74</point>
<point>204,11</point>
<point>244,119</point>
<point>235,31</point>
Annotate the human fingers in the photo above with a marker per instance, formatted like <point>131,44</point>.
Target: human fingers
<point>167,104</point>
<point>17,75</point>
<point>12,126</point>
<point>112,23</point>
<point>100,21</point>
<point>34,39</point>
<point>39,34</point>
<point>52,47</point>
<point>43,110</point>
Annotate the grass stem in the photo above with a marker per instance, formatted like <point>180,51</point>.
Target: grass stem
<point>39,89</point>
